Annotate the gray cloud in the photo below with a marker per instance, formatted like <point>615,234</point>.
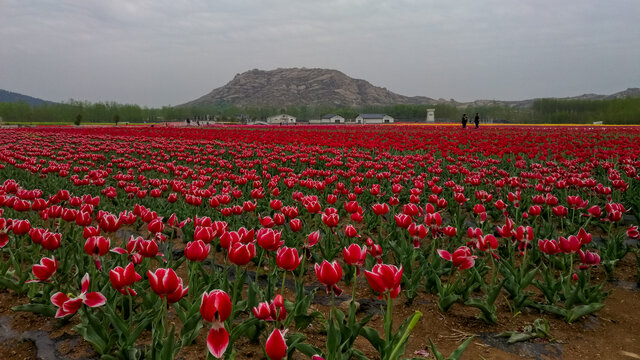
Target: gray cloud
<point>167,52</point>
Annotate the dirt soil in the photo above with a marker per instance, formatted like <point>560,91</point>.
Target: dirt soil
<point>612,333</point>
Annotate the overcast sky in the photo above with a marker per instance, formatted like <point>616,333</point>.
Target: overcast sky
<point>167,52</point>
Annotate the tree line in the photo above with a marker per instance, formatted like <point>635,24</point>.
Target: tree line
<point>553,111</point>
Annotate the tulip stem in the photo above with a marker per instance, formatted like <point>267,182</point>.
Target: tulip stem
<point>352,307</point>
<point>388,319</point>
<point>284,277</point>
<point>414,320</point>
<point>354,284</point>
<point>130,311</point>
<point>259,264</point>
<point>301,275</point>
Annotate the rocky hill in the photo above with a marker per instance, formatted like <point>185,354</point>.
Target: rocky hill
<point>302,86</point>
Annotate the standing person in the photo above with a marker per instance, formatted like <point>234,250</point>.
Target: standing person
<point>464,121</point>
<point>476,120</point>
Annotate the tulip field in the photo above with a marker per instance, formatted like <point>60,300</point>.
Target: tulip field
<point>320,242</point>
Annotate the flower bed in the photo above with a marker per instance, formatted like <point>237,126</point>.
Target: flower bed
<point>142,237</point>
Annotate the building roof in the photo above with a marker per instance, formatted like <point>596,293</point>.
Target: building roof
<point>329,116</point>
<point>373,116</point>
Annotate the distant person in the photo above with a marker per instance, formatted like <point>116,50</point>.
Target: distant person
<point>476,120</point>
<point>464,121</point>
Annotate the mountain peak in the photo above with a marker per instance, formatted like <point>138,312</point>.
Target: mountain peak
<point>302,86</point>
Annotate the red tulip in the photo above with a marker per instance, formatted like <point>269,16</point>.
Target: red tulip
<point>570,245</point>
<point>90,231</point>
<point>69,305</point>
<point>313,207</point>
<point>278,311</point>
<point>215,307</point>
<point>206,234</point>
<point>380,209</point>
<point>417,231</point>
<point>478,209</point>
<point>560,211</point>
<point>350,231</point>
<point>351,206</point>
<point>461,258</point>
<point>595,211</point>
<point>354,254</point>
<point>20,227</point>
<point>461,199</point>
<point>276,347</point>
<point>228,238</point>
<point>241,254</point>
<point>450,231</point>
<point>287,258</point>
<point>535,210</point>
<point>588,259</point>
<point>576,202</point>
<point>263,311</point>
<point>97,245</point>
<point>266,221</point>
<point>83,218</point>
<point>197,250</point>
<point>295,225</point>
<point>633,233</point>
<point>45,269</point>
<point>123,278</point>
<point>69,215</point>
<point>410,209</point>
<point>550,247</point>
<point>275,204</point>
<point>403,221</point>
<point>148,248</point>
<point>584,237</point>
<point>329,274</point>
<point>279,219</point>
<point>269,239</point>
<point>51,241</point>
<point>487,242</point>
<point>249,206</point>
<point>271,312</point>
<point>155,226</point>
<point>109,223</point>
<point>165,282</point>
<point>313,238</point>
<point>385,278</point>
<point>331,220</point>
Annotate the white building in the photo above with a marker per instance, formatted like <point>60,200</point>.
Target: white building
<point>333,118</point>
<point>281,119</point>
<point>328,119</point>
<point>431,115</point>
<point>374,119</point>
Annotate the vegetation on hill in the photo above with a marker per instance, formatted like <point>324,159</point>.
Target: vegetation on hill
<point>552,111</point>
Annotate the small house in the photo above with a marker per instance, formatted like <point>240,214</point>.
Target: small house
<point>328,119</point>
<point>281,119</point>
<point>374,119</point>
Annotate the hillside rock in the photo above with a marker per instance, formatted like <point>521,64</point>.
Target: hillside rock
<point>302,86</point>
